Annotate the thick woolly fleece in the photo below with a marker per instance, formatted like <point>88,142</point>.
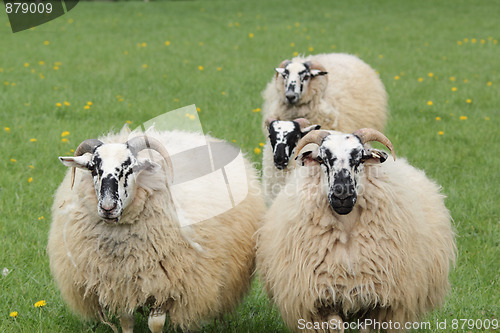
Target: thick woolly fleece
<point>388,259</point>
<point>349,97</point>
<point>199,271</point>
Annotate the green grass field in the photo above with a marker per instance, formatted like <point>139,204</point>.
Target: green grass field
<point>133,61</point>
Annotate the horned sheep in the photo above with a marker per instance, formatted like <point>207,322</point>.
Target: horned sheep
<point>349,239</point>
<point>116,243</point>
<point>337,91</point>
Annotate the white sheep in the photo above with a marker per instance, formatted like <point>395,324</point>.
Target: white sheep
<point>116,241</point>
<point>278,151</point>
<point>337,91</point>
<point>349,239</point>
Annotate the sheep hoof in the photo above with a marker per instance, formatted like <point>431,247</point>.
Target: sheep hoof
<point>127,323</point>
<point>156,320</point>
<point>337,323</point>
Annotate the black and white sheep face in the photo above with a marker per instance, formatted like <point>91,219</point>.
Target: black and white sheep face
<point>284,136</point>
<point>113,167</point>
<point>342,158</point>
<point>296,77</point>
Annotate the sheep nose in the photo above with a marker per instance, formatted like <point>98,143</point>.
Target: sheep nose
<point>108,207</point>
<point>292,97</point>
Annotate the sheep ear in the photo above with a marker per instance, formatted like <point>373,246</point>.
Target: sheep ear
<point>317,72</point>
<point>148,166</point>
<point>374,156</point>
<point>308,129</point>
<point>279,70</point>
<point>307,157</point>
<point>81,162</point>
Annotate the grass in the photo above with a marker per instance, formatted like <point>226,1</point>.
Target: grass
<point>115,55</point>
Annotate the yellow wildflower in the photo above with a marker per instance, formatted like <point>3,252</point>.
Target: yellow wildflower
<point>41,62</point>
<point>468,100</point>
<point>257,151</point>
<point>65,133</point>
<point>144,44</point>
<point>40,303</point>
<point>429,103</point>
<point>310,49</point>
<point>128,122</point>
<point>13,160</point>
<point>396,77</point>
<point>454,89</point>
<point>46,42</point>
<point>459,42</point>
<point>295,53</point>
<point>200,68</point>
<point>486,118</point>
<point>41,218</point>
<point>30,179</point>
<point>261,144</point>
<point>89,103</point>
<point>198,109</point>
<point>440,132</point>
<point>430,74</point>
<point>66,103</point>
<point>463,117</point>
<point>144,66</point>
<point>292,44</point>
<point>219,69</point>
<point>7,129</point>
<point>64,140</point>
<point>13,314</point>
<point>167,43</point>
<point>58,104</point>
<point>420,79</point>
<point>256,110</point>
<point>33,140</point>
<point>86,107</point>
<point>452,78</point>
<point>251,35</point>
<point>438,118</point>
<point>489,83</point>
<point>31,166</point>
<point>26,65</point>
<point>223,93</point>
<point>56,68</point>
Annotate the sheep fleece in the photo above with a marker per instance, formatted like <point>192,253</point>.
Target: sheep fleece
<point>387,260</point>
<point>100,267</point>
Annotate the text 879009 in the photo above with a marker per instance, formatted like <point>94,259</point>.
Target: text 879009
<point>28,7</point>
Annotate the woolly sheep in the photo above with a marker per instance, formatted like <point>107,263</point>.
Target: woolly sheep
<point>116,246</point>
<point>278,150</point>
<point>337,91</point>
<point>352,240</point>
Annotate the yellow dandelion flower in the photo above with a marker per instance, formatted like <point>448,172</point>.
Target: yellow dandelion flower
<point>452,78</point>
<point>396,77</point>
<point>495,41</point>
<point>65,133</point>
<point>261,144</point>
<point>200,68</point>
<point>257,151</point>
<point>466,81</point>
<point>6,129</point>
<point>430,74</point>
<point>46,42</point>
<point>466,40</point>
<point>295,53</point>
<point>41,62</point>
<point>381,56</point>
<point>223,93</point>
<point>463,117</point>
<point>234,140</point>
<point>473,41</point>
<point>42,76</point>
<point>237,24</point>
<point>30,179</point>
<point>440,132</point>
<point>429,103</point>
<point>486,118</point>
<point>438,118</point>
<point>144,66</point>
<point>292,44</point>
<point>89,103</point>
<point>483,41</point>
<point>66,103</point>
<point>176,100</point>
<point>297,24</point>
<point>86,107</point>
<point>40,304</point>
<point>453,88</point>
<point>310,49</point>
<point>256,110</point>
<point>58,104</point>
<point>128,122</point>
<point>219,69</point>
<point>70,21</point>
<point>65,140</point>
<point>56,68</point>
<point>200,43</point>
<point>251,35</point>
<point>26,64</point>
<point>13,314</point>
<point>33,140</point>
<point>468,100</point>
<point>333,46</point>
<point>6,83</point>
<point>459,42</point>
<point>420,79</point>
<point>167,43</point>
<point>489,83</point>
<point>144,44</point>
<point>13,160</point>
<point>198,109</point>
<point>31,166</point>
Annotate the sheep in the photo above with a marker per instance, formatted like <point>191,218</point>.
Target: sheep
<point>350,241</point>
<point>121,238</point>
<point>278,150</point>
<point>337,91</point>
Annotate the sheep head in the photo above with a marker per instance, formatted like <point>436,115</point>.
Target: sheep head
<point>114,168</point>
<point>284,136</point>
<point>296,78</point>
<point>342,158</point>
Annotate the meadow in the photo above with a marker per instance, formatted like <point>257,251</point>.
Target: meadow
<point>106,64</point>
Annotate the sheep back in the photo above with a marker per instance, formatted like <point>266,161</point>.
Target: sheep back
<point>349,97</point>
<point>388,259</point>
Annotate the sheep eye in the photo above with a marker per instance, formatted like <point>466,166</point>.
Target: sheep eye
<point>319,159</point>
<point>307,77</point>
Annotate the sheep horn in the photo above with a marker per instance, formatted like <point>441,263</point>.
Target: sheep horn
<point>315,136</point>
<point>284,63</point>
<point>303,122</point>
<point>370,134</point>
<point>86,146</point>
<point>140,143</point>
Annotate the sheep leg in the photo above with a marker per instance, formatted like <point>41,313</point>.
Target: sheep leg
<point>127,322</point>
<point>156,319</point>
